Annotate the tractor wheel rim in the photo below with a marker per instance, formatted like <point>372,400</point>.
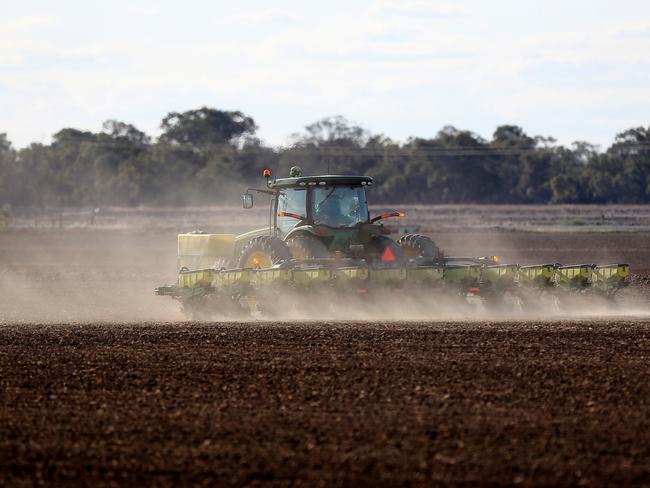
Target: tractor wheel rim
<point>258,260</point>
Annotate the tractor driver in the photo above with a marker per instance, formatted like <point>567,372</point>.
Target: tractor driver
<point>332,212</point>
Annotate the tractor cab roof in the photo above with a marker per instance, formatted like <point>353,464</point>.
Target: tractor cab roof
<point>322,180</point>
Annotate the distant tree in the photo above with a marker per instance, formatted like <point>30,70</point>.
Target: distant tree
<point>512,136</point>
<point>564,189</point>
<point>451,166</point>
<point>333,131</point>
<point>73,136</point>
<point>631,153</point>
<point>584,151</point>
<point>206,126</point>
<point>35,178</point>
<point>206,155</point>
<point>7,169</point>
<point>632,141</point>
<point>331,144</point>
<point>5,143</point>
<point>122,131</point>
<point>603,188</point>
<point>524,164</point>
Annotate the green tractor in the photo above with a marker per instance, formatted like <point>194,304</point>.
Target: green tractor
<point>321,217</point>
<point>321,239</point>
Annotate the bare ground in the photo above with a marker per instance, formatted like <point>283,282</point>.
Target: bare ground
<point>326,404</point>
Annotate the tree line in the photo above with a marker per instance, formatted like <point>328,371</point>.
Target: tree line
<point>206,156</point>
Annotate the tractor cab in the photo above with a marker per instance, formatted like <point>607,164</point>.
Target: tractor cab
<point>332,201</point>
<point>321,214</point>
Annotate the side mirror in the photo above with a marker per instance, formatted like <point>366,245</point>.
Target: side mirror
<point>247,200</point>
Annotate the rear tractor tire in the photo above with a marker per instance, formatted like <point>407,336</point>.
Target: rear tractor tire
<point>305,246</point>
<point>417,246</point>
<point>264,252</point>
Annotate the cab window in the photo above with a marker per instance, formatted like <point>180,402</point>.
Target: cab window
<point>292,200</point>
<point>340,206</point>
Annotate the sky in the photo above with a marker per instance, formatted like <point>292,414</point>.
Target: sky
<point>571,69</point>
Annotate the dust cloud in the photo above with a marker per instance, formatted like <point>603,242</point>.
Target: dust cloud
<point>85,276</point>
<point>108,275</point>
<point>420,305</point>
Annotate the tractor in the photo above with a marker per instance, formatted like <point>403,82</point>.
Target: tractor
<point>320,217</point>
<point>321,240</point>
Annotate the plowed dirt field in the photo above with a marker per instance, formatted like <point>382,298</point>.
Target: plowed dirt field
<point>311,404</point>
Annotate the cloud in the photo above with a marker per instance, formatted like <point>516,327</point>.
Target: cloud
<point>634,32</point>
<point>26,23</point>
<point>143,10</point>
<point>9,59</point>
<point>397,67</point>
<point>372,55</point>
<point>267,17</point>
<point>420,9</point>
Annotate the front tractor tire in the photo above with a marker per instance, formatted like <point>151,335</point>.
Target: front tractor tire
<point>305,246</point>
<point>264,252</point>
<point>417,246</point>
